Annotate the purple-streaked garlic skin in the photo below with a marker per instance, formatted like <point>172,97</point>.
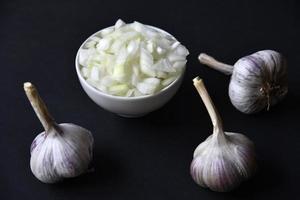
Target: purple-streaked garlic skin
<point>62,150</point>
<point>223,161</point>
<point>258,81</point>
<point>56,155</point>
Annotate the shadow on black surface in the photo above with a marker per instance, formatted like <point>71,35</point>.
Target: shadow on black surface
<point>289,103</point>
<point>104,169</point>
<point>266,180</point>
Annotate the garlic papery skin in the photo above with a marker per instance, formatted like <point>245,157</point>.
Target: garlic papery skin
<point>62,150</point>
<point>258,80</point>
<point>224,159</point>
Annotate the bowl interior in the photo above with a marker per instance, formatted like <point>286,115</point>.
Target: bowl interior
<point>82,79</point>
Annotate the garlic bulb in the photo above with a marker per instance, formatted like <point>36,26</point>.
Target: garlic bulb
<point>62,150</point>
<point>258,81</point>
<point>224,159</point>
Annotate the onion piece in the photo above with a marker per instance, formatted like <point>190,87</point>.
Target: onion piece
<point>179,64</point>
<point>168,81</point>
<point>160,50</point>
<point>119,24</point>
<point>106,31</point>
<point>95,74</point>
<point>84,54</point>
<point>182,51</point>
<point>103,44</point>
<point>133,47</point>
<point>175,45</point>
<point>148,86</point>
<point>146,62</point>
<point>130,93</point>
<point>85,72</point>
<point>120,89</point>
<point>164,65</point>
<point>150,46</point>
<point>173,57</point>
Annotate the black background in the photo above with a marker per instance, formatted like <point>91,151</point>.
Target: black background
<point>148,157</point>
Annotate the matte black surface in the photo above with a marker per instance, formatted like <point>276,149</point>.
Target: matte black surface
<point>149,157</point>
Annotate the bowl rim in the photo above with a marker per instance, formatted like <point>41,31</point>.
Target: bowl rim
<point>82,79</point>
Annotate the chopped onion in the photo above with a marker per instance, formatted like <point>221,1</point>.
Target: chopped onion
<point>85,72</point>
<point>132,47</point>
<point>164,65</point>
<point>150,46</point>
<point>146,63</point>
<point>120,89</point>
<point>119,24</point>
<point>160,50</point>
<point>179,64</point>
<point>103,44</point>
<point>168,81</point>
<point>131,60</point>
<point>148,86</point>
<point>106,31</point>
<point>95,74</point>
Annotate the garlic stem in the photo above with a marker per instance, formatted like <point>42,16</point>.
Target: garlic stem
<point>39,107</point>
<point>212,111</point>
<point>213,63</point>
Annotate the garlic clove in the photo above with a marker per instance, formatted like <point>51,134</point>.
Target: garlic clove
<point>62,150</point>
<point>224,159</point>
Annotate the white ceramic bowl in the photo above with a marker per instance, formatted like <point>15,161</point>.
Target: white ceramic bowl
<point>128,106</point>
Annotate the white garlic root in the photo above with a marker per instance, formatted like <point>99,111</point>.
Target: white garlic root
<point>215,64</point>
<point>224,159</point>
<point>62,150</point>
<point>258,80</point>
